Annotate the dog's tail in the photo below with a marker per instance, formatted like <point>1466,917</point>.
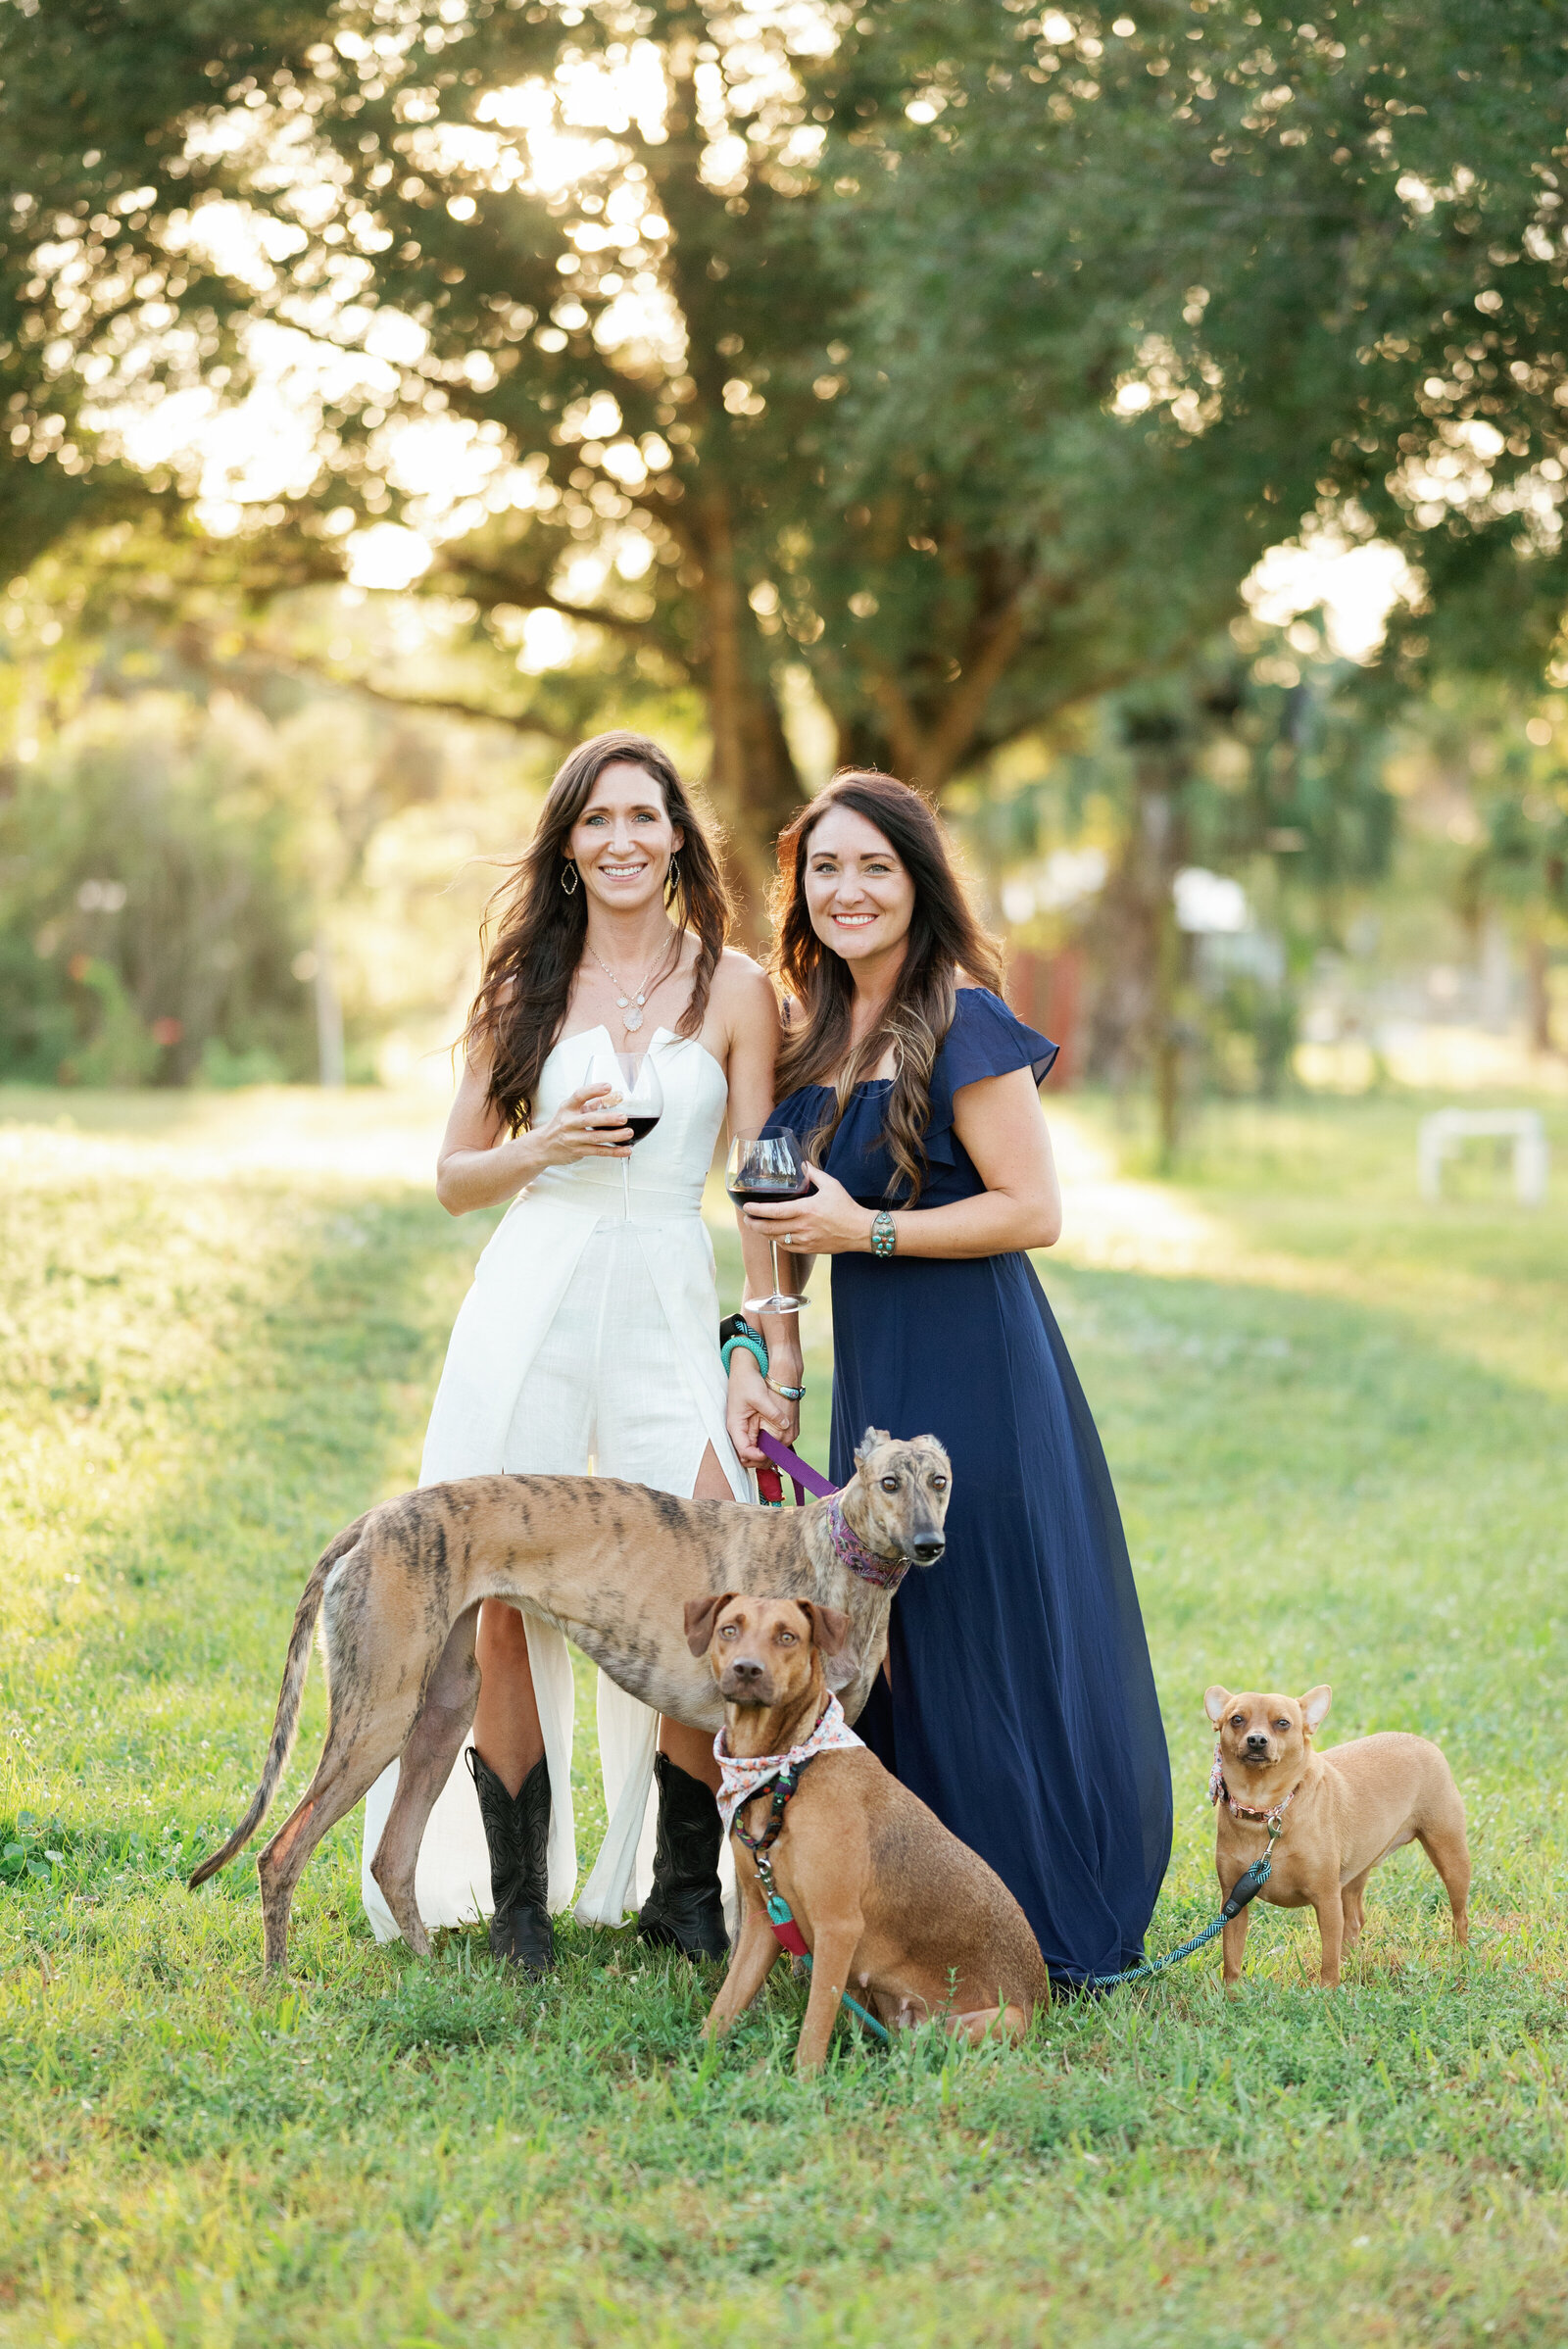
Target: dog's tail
<point>286,1719</point>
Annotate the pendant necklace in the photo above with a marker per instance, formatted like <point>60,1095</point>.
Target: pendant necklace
<point>630,1007</point>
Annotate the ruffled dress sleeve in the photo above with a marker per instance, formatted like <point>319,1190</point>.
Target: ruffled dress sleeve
<point>985,1039</point>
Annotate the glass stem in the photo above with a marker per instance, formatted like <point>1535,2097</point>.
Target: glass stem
<point>778,1285</point>
<point>625,1185</point>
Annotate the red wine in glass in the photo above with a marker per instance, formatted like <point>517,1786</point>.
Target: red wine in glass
<point>752,1186</point>
<point>631,1080</point>
<point>771,1167</point>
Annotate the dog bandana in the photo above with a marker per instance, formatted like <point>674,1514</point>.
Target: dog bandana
<point>850,1551</point>
<point>750,1773</point>
<point>1219,1791</point>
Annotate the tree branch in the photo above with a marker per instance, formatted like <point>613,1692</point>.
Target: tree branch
<point>261,655</point>
<point>532,596</point>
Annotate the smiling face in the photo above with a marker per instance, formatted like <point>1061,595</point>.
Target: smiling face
<point>1258,1732</point>
<point>858,892</point>
<point>622,842</point>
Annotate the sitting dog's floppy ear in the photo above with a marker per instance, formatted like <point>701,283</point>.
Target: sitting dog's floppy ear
<point>700,1614</point>
<point>830,1634</point>
<point>1314,1708</point>
<point>869,1442</point>
<point>1215,1700</point>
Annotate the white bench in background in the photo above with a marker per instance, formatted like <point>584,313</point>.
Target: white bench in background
<point>1445,1130</point>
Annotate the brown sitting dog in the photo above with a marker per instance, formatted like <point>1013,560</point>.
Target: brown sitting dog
<point>894,1909</point>
<point>1338,1815</point>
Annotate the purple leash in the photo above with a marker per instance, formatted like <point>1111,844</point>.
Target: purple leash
<point>802,1475</point>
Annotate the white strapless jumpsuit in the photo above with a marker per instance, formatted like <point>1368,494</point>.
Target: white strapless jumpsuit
<point>590,1336</point>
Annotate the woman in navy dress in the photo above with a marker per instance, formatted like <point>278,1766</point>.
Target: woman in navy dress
<point>1018,1700</point>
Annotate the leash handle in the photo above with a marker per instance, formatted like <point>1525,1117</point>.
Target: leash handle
<point>1247,1886</point>
<point>802,1475</point>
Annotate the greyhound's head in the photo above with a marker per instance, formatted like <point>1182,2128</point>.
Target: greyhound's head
<point>897,1500</point>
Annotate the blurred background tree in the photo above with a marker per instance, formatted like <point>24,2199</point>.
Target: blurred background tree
<point>918,388</point>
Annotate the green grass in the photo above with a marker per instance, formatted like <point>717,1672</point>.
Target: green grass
<point>1336,1423</point>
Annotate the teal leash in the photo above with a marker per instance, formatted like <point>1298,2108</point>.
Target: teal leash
<point>1246,1888</point>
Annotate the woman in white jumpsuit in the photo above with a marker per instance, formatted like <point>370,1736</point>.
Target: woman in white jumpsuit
<point>590,1336</point>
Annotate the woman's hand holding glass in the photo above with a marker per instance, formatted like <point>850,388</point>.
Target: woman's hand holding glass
<point>589,1125</point>
<point>828,1222</point>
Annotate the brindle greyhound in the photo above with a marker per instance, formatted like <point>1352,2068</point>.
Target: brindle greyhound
<point>611,1565</point>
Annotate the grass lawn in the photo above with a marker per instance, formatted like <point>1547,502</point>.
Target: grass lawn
<point>1335,1420</point>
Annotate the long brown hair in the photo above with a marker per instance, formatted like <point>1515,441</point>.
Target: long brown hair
<point>540,927</point>
<point>944,939</point>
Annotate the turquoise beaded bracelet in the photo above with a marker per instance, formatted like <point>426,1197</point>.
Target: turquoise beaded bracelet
<point>884,1234</point>
<point>754,1346</point>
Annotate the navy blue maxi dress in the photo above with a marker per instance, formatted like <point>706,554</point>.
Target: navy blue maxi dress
<point>1023,1704</point>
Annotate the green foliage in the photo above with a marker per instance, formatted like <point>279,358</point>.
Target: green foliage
<point>979,355</point>
<point>149,904</point>
<point>1320,266</point>
<point>1326,1414</point>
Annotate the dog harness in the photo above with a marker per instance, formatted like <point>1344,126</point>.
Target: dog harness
<point>753,1775</point>
<point>1219,1791</point>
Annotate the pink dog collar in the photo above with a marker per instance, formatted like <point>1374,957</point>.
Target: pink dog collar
<point>850,1551</point>
<point>1219,1791</point>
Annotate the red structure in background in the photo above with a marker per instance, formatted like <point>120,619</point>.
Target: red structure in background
<point>1047,991</point>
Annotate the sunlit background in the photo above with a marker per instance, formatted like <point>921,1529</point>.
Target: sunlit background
<point>460,380</point>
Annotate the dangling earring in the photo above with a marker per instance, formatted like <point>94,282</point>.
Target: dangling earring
<point>672,877</point>
<point>568,878</point>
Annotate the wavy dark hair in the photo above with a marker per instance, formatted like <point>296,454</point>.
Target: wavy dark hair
<point>539,928</point>
<point>945,938</point>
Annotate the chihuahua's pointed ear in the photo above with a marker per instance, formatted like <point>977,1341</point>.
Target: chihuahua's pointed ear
<point>1215,1700</point>
<point>830,1635</point>
<point>1314,1708</point>
<point>700,1614</point>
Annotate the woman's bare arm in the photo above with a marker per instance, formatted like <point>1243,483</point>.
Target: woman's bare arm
<point>479,1164</point>
<point>1000,1123</point>
<point>753,1038</point>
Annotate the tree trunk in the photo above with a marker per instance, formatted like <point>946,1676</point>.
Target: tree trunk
<point>331,1065</point>
<point>1136,947</point>
<point>753,779</point>
<point>1538,994</point>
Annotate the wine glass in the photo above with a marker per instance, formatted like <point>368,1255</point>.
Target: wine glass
<point>636,1090</point>
<point>771,1166</point>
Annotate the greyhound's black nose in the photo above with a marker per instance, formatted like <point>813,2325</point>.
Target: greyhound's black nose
<point>928,1548</point>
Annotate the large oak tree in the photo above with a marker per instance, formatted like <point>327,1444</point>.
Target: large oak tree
<point>961,356</point>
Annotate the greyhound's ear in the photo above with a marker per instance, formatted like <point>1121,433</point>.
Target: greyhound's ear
<point>1215,1700</point>
<point>700,1614</point>
<point>869,1442</point>
<point>830,1635</point>
<point>1316,1706</point>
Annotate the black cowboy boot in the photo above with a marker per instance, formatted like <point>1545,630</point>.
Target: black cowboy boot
<point>685,1910</point>
<point>516,1828</point>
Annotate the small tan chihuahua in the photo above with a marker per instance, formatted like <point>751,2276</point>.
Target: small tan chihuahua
<point>1326,1819</point>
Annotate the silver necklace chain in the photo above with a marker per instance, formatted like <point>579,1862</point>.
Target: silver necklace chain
<point>630,1002</point>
